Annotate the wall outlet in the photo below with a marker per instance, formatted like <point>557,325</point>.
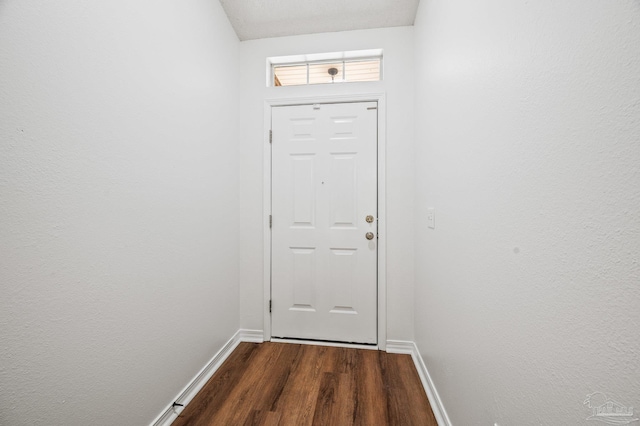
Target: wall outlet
<point>431,217</point>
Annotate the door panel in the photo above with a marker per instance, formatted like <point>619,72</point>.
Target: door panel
<point>303,260</point>
<point>302,198</point>
<point>324,184</point>
<point>342,196</point>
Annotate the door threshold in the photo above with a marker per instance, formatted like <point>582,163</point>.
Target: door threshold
<point>372,346</point>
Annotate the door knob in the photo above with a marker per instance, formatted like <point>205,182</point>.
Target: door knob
<point>369,235</point>
<point>369,219</point>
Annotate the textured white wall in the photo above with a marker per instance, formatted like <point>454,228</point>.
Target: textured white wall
<point>118,205</point>
<point>528,146</point>
<point>398,85</point>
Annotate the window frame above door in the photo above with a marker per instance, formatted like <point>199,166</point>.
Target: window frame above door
<point>349,57</point>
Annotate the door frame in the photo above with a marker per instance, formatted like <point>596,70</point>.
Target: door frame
<point>382,234</point>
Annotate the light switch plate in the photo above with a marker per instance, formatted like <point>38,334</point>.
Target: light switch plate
<point>431,217</point>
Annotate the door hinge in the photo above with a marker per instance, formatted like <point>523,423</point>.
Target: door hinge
<point>269,306</point>
<point>270,221</point>
<point>270,136</point>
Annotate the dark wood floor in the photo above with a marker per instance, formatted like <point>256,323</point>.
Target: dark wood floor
<point>290,384</point>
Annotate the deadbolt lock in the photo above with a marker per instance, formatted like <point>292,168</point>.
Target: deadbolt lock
<point>369,235</point>
<point>369,219</point>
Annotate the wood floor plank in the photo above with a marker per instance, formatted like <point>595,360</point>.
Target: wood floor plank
<point>262,418</point>
<point>344,406</point>
<point>282,384</point>
<point>326,399</point>
<point>398,410</point>
<point>371,405</point>
<point>252,389</point>
<point>298,399</point>
<point>413,389</point>
<point>276,376</point>
<point>206,404</point>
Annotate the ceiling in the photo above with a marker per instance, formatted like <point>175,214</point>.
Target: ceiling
<point>254,19</point>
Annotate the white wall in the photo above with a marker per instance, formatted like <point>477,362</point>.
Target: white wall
<point>118,205</point>
<point>528,146</point>
<point>398,86</point>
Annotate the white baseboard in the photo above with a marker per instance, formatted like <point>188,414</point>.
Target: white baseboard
<point>193,387</point>
<point>410,348</point>
<point>253,336</point>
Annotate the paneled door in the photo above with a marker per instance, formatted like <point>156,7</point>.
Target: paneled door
<point>324,222</point>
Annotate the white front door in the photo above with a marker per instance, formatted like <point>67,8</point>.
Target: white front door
<point>324,212</point>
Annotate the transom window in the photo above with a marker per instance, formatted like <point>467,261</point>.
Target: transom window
<point>329,68</point>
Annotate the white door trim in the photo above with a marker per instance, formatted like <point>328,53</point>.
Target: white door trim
<point>382,234</point>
